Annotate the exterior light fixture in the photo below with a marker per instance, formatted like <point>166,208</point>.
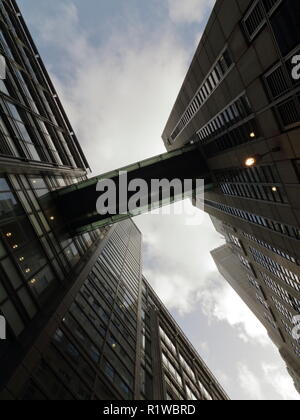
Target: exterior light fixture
<point>252,135</point>
<point>52,218</point>
<point>33,281</point>
<point>250,161</point>
<point>21,259</point>
<point>15,246</point>
<point>274,189</point>
<point>9,235</point>
<point>27,270</point>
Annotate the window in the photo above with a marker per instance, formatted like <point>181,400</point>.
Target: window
<point>82,337</point>
<point>167,340</point>
<point>172,369</point>
<point>214,78</point>
<point>72,254</point>
<point>3,87</point>
<point>247,183</point>
<point>244,262</point>
<point>253,282</point>
<point>7,146</point>
<point>121,352</point>
<point>27,302</point>
<point>290,231</point>
<point>231,115</point>
<point>11,272</point>
<point>41,281</point>
<point>146,384</point>
<point>254,20</point>
<point>270,4</point>
<point>75,373</point>
<point>289,112</point>
<point>53,386</point>
<point>89,323</point>
<point>12,317</point>
<point>281,292</point>
<point>173,389</point>
<point>191,396</point>
<point>276,269</point>
<point>204,392</point>
<point>276,82</point>
<point>186,366</point>
<point>264,244</point>
<point>262,301</point>
<point>283,310</point>
<point>113,376</point>
<point>285,24</point>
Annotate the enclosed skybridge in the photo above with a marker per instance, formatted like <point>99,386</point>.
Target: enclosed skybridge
<point>133,190</point>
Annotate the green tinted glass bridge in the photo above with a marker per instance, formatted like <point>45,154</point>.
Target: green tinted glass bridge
<point>76,204</point>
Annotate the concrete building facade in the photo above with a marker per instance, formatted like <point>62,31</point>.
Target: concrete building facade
<point>240,101</point>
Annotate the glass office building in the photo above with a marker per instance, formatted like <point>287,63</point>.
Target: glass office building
<point>82,322</point>
<point>240,99</point>
<point>112,339</point>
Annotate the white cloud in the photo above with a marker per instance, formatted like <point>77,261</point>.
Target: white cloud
<point>258,386</point>
<point>189,11</point>
<point>177,258</point>
<point>220,301</point>
<point>119,93</point>
<point>250,383</point>
<point>282,383</point>
<point>179,265</point>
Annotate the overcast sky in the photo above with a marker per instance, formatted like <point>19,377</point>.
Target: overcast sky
<point>118,66</point>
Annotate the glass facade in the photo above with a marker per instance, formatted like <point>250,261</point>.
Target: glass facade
<point>38,155</point>
<point>115,340</point>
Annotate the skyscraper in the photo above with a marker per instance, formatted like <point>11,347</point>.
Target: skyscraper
<point>111,338</point>
<point>239,104</point>
<point>81,321</point>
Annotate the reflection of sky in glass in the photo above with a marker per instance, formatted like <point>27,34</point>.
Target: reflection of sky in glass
<point>7,203</point>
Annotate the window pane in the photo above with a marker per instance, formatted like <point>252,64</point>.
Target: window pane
<point>27,302</point>
<point>285,23</point>
<point>12,317</point>
<point>11,272</point>
<point>41,281</point>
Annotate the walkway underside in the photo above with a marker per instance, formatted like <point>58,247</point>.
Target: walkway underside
<point>77,204</point>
